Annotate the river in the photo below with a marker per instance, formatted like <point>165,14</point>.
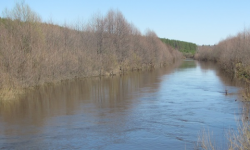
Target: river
<point>165,108</point>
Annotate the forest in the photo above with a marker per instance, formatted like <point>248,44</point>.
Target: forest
<point>187,48</point>
<point>33,52</point>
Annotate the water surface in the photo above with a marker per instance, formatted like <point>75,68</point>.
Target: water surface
<point>160,109</point>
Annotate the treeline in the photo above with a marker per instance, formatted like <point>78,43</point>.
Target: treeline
<point>185,47</point>
<point>33,52</point>
<point>232,55</point>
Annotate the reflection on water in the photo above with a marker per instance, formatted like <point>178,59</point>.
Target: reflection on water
<point>68,97</point>
<point>160,109</point>
<point>189,63</point>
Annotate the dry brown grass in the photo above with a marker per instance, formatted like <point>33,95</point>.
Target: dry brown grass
<point>205,140</point>
<point>237,139</point>
<point>10,94</point>
<point>240,139</point>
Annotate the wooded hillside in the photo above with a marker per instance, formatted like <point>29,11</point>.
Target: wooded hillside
<point>186,48</point>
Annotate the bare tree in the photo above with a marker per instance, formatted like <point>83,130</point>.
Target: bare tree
<point>32,52</point>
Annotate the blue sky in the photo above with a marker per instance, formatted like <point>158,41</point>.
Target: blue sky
<point>197,21</point>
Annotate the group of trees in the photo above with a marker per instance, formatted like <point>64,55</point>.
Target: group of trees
<point>187,48</point>
<point>232,55</point>
<point>33,52</point>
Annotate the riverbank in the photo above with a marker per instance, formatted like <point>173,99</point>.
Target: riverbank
<point>15,93</point>
<point>34,52</point>
<point>232,56</point>
<point>157,109</point>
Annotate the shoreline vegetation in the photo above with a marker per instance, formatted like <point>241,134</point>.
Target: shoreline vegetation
<point>33,52</point>
<point>232,56</point>
<point>238,139</point>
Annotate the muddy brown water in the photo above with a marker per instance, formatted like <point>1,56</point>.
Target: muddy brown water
<point>160,109</point>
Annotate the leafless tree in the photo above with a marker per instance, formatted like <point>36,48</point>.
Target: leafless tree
<point>33,52</point>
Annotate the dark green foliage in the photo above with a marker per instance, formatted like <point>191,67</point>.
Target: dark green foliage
<point>184,47</point>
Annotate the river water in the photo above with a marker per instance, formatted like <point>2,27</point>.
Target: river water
<point>159,109</point>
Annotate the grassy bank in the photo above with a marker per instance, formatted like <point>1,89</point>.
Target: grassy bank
<point>33,52</point>
<point>232,56</point>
